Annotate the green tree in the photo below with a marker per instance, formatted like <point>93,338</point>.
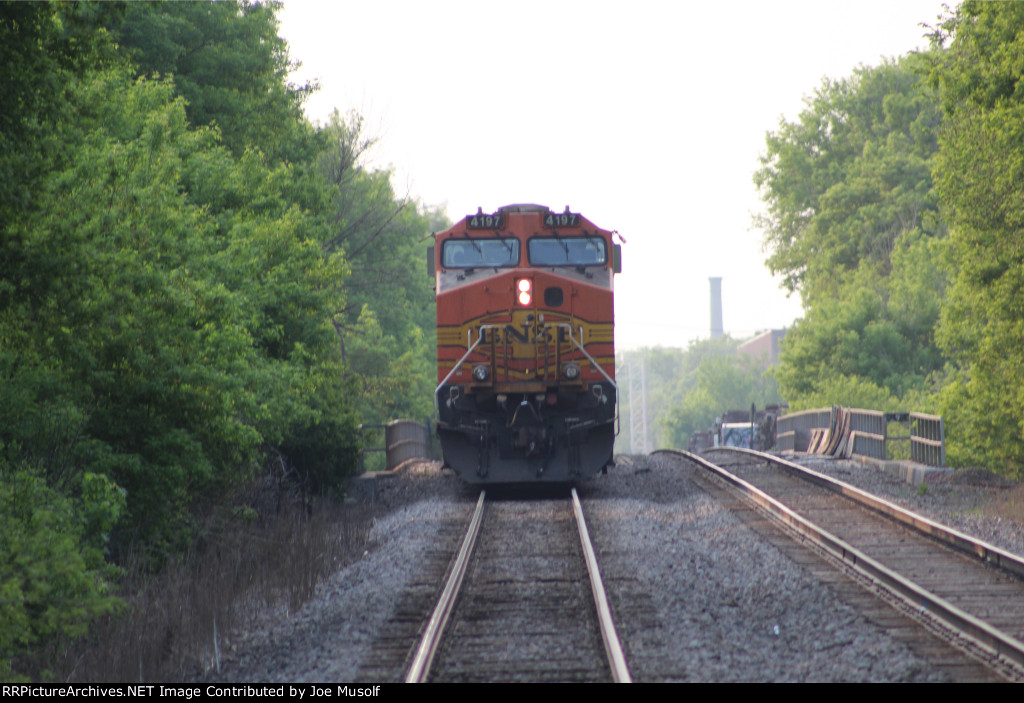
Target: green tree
<point>851,174</point>
<point>878,329</point>
<point>55,519</point>
<point>852,223</point>
<point>53,577</point>
<point>688,388</point>
<point>980,172</point>
<point>167,303</point>
<point>230,65</point>
<point>387,324</point>
<point>665,369</point>
<point>173,299</point>
<point>719,383</point>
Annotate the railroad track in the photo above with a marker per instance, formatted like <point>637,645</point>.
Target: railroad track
<point>516,606</point>
<point>966,591</point>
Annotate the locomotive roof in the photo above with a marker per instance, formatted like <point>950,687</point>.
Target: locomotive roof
<point>498,220</point>
<point>525,207</point>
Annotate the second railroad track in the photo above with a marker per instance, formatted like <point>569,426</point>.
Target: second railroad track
<point>967,591</point>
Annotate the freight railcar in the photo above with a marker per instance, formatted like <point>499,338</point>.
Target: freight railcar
<point>525,345</point>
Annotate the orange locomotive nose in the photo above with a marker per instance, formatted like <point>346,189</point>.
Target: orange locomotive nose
<point>526,360</point>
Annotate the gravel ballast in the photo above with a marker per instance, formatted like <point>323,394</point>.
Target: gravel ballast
<point>698,595</point>
<point>720,603</point>
<point>330,638</point>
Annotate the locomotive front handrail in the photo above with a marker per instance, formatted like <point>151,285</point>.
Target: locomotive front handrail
<point>474,345</point>
<point>579,345</point>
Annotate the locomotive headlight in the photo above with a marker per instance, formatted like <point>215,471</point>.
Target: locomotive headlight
<point>524,286</point>
<point>480,373</point>
<point>571,371</point>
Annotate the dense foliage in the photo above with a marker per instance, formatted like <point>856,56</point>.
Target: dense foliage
<point>387,322</point>
<point>980,176</point>
<point>183,299</point>
<point>895,208</point>
<point>852,224</point>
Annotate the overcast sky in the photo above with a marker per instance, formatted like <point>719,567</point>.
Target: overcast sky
<point>647,117</point>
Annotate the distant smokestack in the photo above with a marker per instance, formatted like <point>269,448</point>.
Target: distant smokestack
<point>716,308</point>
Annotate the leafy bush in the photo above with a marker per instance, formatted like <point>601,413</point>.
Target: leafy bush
<point>54,579</point>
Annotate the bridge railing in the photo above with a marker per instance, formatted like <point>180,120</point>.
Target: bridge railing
<point>839,431</point>
<point>794,430</point>
<point>927,439</point>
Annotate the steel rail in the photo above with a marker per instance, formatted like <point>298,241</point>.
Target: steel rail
<point>419,670</point>
<point>612,645</point>
<point>981,633</point>
<point>988,553</point>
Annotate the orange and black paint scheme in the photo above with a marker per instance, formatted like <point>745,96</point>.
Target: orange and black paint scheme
<point>525,346</point>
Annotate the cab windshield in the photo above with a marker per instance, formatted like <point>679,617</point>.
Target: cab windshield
<point>567,251</point>
<point>480,253</point>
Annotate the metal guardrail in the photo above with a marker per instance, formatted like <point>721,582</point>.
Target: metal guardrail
<point>839,431</point>
<point>864,444</point>
<point>867,433</point>
<point>927,439</point>
<point>794,430</point>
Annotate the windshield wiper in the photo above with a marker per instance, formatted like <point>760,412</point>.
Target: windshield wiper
<point>476,244</point>
<point>564,243</point>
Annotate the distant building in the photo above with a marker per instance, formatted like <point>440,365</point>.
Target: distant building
<point>764,345</point>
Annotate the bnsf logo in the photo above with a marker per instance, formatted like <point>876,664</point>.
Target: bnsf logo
<point>523,334</point>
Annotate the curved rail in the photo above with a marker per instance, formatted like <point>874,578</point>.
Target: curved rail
<point>983,634</point>
<point>977,548</point>
<point>420,667</point>
<point>612,645</point>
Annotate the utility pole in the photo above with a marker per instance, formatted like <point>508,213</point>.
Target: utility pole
<point>638,438</point>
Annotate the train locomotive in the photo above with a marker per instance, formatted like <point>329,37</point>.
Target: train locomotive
<point>525,346</point>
